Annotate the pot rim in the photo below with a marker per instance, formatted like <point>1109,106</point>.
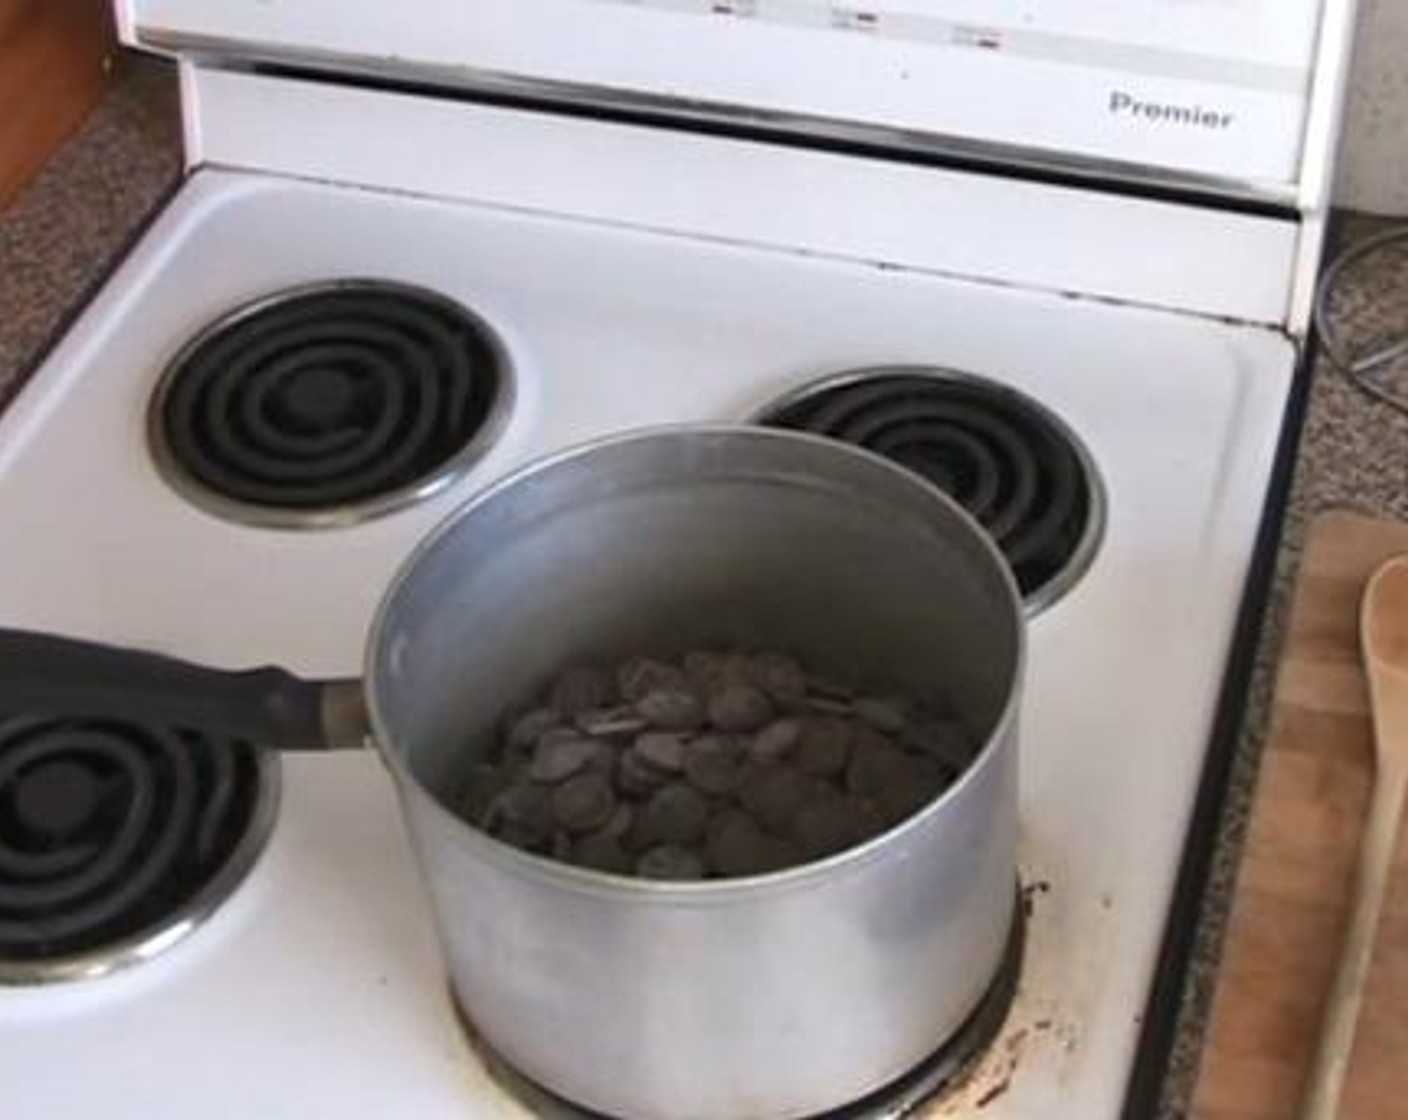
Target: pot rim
<point>569,875</point>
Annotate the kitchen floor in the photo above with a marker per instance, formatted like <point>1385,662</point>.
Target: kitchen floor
<point>64,230</point>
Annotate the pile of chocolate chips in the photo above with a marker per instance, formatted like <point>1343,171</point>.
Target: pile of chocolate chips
<point>724,764</point>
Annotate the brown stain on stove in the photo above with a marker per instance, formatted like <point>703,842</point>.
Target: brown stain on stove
<point>1031,891</point>
<point>990,1075</point>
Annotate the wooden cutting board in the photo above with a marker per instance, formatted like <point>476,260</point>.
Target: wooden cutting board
<point>1293,887</point>
<point>53,67</point>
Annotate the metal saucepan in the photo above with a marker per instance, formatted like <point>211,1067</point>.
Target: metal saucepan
<point>773,996</point>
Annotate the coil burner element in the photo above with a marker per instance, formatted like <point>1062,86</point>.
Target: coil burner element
<point>328,405</point>
<point>117,839</point>
<point>1007,460</point>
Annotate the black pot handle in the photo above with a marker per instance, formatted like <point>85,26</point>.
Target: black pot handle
<point>42,674</point>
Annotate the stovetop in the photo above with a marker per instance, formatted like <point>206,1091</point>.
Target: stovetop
<point>317,988</point>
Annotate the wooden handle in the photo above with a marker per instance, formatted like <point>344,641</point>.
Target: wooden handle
<point>1383,636</point>
<point>1327,1078</point>
<point>1305,839</point>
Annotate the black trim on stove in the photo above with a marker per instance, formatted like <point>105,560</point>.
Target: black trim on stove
<point>1159,1029</point>
<point>1004,165</point>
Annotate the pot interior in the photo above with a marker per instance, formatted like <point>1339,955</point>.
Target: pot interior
<point>671,540</point>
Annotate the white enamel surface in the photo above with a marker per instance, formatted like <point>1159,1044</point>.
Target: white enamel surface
<point>999,230</point>
<point>1042,76</point>
<point>319,992</point>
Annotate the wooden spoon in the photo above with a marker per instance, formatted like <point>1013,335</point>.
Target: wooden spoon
<point>1383,641</point>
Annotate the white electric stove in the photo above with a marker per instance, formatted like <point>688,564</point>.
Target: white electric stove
<point>643,265</point>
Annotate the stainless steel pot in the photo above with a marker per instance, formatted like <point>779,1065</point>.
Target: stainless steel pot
<point>774,996</point>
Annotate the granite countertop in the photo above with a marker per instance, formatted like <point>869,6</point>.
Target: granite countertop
<point>76,217</point>
<point>1353,456</point>
<point>69,224</point>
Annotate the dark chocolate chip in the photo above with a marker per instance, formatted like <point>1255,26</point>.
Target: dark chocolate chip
<point>866,738</point>
<point>675,814</point>
<point>876,772</point>
<point>667,861</point>
<point>925,779</point>
<point>779,854</point>
<point>777,740</point>
<point>735,668</point>
<point>619,722</point>
<point>521,803</point>
<point>712,763</point>
<point>559,735</point>
<point>605,758</point>
<point>521,814</point>
<point>888,714</point>
<point>704,669</point>
<point>779,676</point>
<point>826,706</point>
<point>735,843</point>
<point>827,688</point>
<point>946,740</point>
<point>871,818</point>
<point>640,676</point>
<point>527,729</point>
<point>524,837</point>
<point>824,747</point>
<point>665,750</point>
<point>671,709</point>
<point>737,846</point>
<point>637,777</point>
<point>619,824</point>
<point>600,851</point>
<point>739,707</point>
<point>580,689</point>
<point>481,786</point>
<point>583,803</point>
<point>557,760</point>
<point>773,794</point>
<point>824,828</point>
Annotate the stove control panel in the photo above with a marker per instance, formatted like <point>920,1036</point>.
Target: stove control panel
<point>1198,89</point>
